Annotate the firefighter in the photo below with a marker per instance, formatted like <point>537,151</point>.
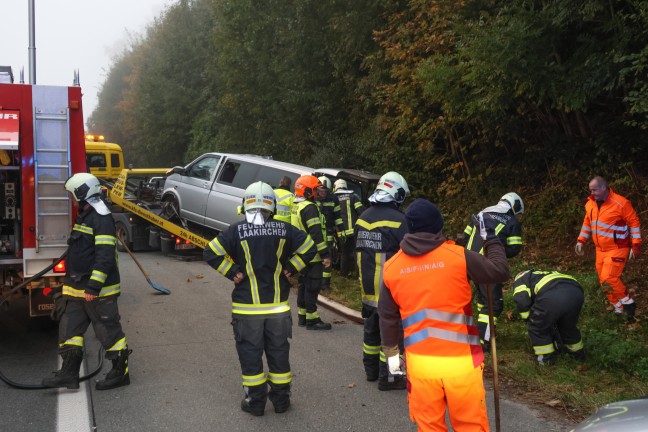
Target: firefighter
<point>90,289</point>
<point>351,208</point>
<point>613,224</point>
<point>550,303</point>
<point>426,285</point>
<point>259,254</point>
<point>509,231</point>
<point>329,205</point>
<point>306,216</point>
<point>378,233</point>
<point>284,199</point>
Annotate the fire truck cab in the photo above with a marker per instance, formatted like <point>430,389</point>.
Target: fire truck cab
<point>41,145</point>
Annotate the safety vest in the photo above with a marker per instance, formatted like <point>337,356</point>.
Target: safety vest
<point>309,211</point>
<point>284,204</point>
<point>615,225</point>
<point>434,295</point>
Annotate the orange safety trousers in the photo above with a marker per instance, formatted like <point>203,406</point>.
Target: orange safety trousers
<point>463,395</point>
<point>609,266</point>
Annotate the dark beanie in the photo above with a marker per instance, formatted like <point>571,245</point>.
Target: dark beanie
<point>423,216</point>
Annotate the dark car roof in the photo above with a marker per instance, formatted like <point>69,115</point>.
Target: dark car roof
<point>347,173</point>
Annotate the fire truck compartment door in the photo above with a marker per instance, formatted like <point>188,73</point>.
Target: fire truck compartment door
<point>9,130</point>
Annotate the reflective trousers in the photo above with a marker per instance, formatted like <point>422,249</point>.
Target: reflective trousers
<point>310,283</point>
<point>482,313</point>
<point>609,266</point>
<point>103,313</point>
<point>464,397</point>
<point>253,337</point>
<point>374,360</point>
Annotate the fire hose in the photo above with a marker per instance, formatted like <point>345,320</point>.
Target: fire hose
<point>16,289</point>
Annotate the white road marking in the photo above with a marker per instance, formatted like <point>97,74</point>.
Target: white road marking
<point>73,412</point>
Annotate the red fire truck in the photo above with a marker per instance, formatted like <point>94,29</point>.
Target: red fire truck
<point>41,145</point>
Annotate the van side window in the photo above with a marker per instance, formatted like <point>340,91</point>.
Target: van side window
<point>273,175</point>
<point>204,168</point>
<point>239,174</point>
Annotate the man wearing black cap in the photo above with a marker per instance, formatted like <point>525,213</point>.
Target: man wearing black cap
<point>427,286</point>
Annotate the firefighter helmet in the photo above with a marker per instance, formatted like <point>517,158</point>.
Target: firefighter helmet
<point>259,195</point>
<point>326,182</point>
<point>514,200</point>
<point>340,184</point>
<point>83,186</point>
<point>305,186</point>
<point>395,185</point>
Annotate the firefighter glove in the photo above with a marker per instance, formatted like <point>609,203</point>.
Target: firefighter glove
<point>394,365</point>
<point>579,249</point>
<point>486,225</point>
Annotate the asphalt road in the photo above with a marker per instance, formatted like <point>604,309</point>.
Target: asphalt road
<point>185,374</point>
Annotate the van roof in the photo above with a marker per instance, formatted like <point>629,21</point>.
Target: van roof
<point>347,173</point>
<point>268,161</point>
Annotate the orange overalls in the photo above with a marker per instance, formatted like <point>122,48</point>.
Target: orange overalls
<point>443,354</point>
<point>614,228</point>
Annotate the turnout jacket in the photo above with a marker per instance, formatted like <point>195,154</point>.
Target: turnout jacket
<point>533,284</point>
<point>307,217</point>
<point>378,233</point>
<point>261,253</point>
<point>330,208</point>
<point>613,225</point>
<point>350,209</point>
<point>508,229</point>
<point>92,256</point>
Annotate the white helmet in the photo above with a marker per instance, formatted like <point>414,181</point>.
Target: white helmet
<point>259,195</point>
<point>394,185</point>
<point>83,186</point>
<point>340,184</point>
<point>514,200</point>
<point>325,181</point>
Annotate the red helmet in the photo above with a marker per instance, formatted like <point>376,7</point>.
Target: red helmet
<point>305,186</point>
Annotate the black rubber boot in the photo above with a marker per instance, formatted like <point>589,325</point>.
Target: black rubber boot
<point>578,355</point>
<point>393,382</point>
<point>245,406</point>
<point>301,322</point>
<point>630,309</point>
<point>317,324</point>
<point>68,375</point>
<point>118,376</point>
<point>547,359</point>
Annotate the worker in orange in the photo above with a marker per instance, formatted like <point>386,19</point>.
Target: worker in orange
<point>613,224</point>
<point>427,284</point>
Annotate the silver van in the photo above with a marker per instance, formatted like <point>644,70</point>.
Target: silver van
<point>208,191</point>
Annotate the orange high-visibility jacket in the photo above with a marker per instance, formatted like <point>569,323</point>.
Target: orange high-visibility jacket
<point>615,225</point>
<point>433,294</point>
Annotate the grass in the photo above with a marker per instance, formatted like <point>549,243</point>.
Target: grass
<point>616,367</point>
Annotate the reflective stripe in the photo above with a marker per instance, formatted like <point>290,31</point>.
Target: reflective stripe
<point>313,221</point>
<point>254,285</point>
<point>297,262</point>
<point>83,228</point>
<point>584,235</point>
<point>371,349</point>
<point>543,349</point>
<point>550,277</point>
<point>260,309</point>
<point>447,335</point>
<point>119,345</point>
<point>522,288</point>
<point>224,266</point>
<point>586,228</point>
<point>312,316</point>
<point>105,240</point>
<point>610,227</point>
<point>379,224</point>
<point>575,347</point>
<point>514,240</point>
<point>98,276</point>
<point>483,318</point>
<point>254,380</point>
<point>468,230</point>
<point>611,235</point>
<point>105,291</point>
<point>217,248</point>
<point>525,315</point>
<point>74,340</point>
<point>308,243</point>
<point>280,378</point>
<point>439,316</point>
<point>278,271</point>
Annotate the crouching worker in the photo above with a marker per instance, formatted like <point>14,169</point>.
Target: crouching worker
<point>259,254</point>
<point>90,289</point>
<point>550,303</point>
<point>427,283</point>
